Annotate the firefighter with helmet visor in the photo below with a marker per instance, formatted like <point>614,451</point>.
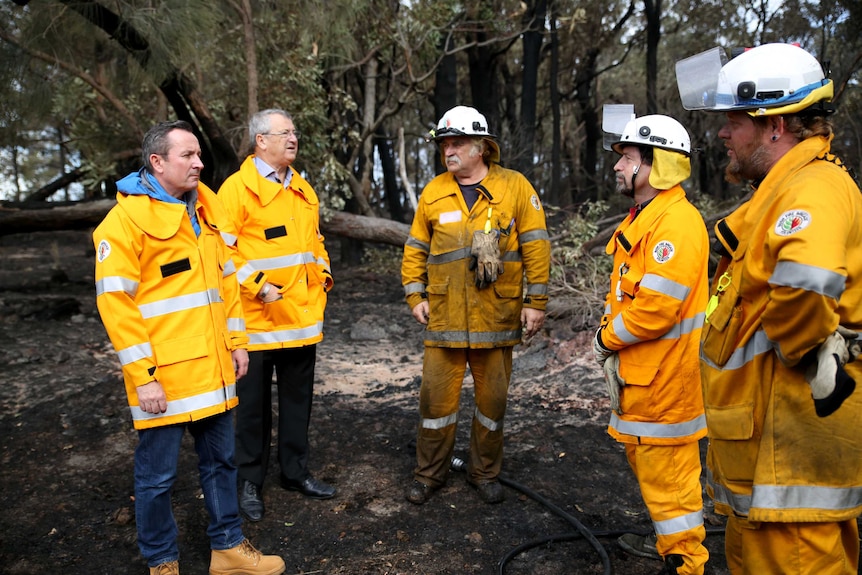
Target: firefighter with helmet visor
<point>647,342</point>
<point>783,322</point>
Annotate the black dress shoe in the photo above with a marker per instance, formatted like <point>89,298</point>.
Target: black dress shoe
<point>250,501</point>
<point>310,487</point>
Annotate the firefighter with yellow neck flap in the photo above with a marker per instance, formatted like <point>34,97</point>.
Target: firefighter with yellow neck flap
<point>475,273</point>
<point>648,340</point>
<point>783,321</point>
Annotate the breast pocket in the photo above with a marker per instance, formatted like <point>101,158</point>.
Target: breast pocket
<point>721,330</point>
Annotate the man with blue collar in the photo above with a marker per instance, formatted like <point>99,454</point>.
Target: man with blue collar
<point>168,297</point>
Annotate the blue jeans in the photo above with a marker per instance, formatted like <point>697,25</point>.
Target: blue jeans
<point>156,470</point>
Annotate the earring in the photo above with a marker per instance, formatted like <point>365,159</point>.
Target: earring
<point>774,138</point>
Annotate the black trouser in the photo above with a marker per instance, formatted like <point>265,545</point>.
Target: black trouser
<point>294,378</point>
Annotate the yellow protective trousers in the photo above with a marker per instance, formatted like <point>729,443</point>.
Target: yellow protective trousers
<point>760,548</point>
<point>669,479</point>
<point>443,372</point>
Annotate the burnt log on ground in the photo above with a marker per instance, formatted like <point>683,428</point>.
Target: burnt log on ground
<point>17,219</point>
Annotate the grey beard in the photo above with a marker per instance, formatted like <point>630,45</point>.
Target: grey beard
<point>624,190</point>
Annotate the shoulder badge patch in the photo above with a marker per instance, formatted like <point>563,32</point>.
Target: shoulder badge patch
<point>534,199</point>
<point>104,251</point>
<point>663,251</point>
<point>791,222</point>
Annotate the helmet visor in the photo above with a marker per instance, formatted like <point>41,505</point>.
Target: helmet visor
<point>697,79</point>
<point>615,117</point>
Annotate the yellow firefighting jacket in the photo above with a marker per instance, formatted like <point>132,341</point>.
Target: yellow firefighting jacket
<point>170,303</point>
<point>653,318</point>
<point>436,260</point>
<point>794,273</point>
<point>278,241</point>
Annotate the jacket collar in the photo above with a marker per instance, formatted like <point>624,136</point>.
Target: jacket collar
<point>630,232</point>
<point>449,186</point>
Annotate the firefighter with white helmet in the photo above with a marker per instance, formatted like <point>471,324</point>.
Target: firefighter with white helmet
<point>475,273</point>
<point>648,340</point>
<point>782,325</point>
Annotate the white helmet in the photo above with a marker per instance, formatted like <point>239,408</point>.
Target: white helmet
<point>462,121</point>
<point>768,80</point>
<point>465,121</point>
<point>656,131</point>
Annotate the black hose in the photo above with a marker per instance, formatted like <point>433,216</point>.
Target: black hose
<point>459,464</point>
<point>582,530</point>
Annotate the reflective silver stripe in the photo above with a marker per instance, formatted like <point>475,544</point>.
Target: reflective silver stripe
<point>281,262</point>
<point>810,278</point>
<point>244,273</point>
<point>227,238</point>
<point>448,257</point>
<point>805,497</point>
<point>512,256</point>
<point>622,332</point>
<point>685,327</point>
<point>607,308</point>
<point>286,335</point>
<point>481,337</point>
<point>235,324</point>
<point>537,289</point>
<point>188,404</point>
<point>679,524</point>
<point>415,287</point>
<point>757,345</point>
<point>665,286</point>
<point>179,303</point>
<point>487,422</point>
<point>658,430</point>
<point>740,503</point>
<point>533,236</point>
<point>414,243</point>
<point>229,268</point>
<point>135,352</point>
<point>115,284</point>
<point>440,422</point>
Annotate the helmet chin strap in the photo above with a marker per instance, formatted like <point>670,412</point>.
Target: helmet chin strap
<point>635,171</point>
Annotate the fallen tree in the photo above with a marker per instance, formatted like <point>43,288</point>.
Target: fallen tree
<point>29,218</point>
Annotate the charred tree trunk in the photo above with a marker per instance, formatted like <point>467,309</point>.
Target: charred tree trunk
<point>24,218</point>
<point>532,43</point>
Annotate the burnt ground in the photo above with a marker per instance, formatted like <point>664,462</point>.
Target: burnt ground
<point>67,445</point>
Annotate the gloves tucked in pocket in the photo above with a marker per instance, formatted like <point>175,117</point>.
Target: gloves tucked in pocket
<point>614,380</point>
<point>830,384</point>
<point>485,254</point>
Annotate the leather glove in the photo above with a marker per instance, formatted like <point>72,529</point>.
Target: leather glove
<point>854,346</point>
<point>485,253</point>
<point>600,351</point>
<point>614,380</point>
<point>830,384</point>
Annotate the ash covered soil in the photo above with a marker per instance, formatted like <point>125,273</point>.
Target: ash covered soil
<point>67,443</point>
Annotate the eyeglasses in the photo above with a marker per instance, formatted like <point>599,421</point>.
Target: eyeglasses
<point>285,134</point>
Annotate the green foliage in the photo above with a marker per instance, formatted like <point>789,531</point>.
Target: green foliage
<point>579,281</point>
<point>312,57</point>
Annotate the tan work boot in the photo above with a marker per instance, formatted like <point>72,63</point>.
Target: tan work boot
<point>244,559</point>
<point>169,568</point>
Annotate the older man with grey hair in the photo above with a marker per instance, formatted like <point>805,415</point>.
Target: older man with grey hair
<point>283,269</point>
